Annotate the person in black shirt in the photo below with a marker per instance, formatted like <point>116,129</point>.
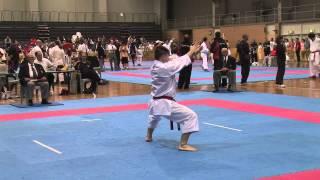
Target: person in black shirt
<point>244,58</point>
<point>185,73</point>
<point>101,54</point>
<point>281,60</point>
<point>267,52</point>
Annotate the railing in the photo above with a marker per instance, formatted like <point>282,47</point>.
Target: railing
<point>288,14</point>
<point>61,16</point>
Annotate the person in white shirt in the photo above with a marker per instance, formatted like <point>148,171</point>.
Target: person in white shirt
<point>111,53</point>
<point>204,54</point>
<point>163,93</point>
<point>47,65</point>
<point>140,52</point>
<point>272,44</point>
<point>82,46</point>
<point>314,59</point>
<point>37,48</point>
<point>57,55</point>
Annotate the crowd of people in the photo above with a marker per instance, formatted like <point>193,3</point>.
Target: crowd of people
<point>76,53</point>
<point>85,54</point>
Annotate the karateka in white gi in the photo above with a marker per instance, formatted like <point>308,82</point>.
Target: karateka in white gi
<point>163,93</point>
<point>205,54</point>
<point>314,59</point>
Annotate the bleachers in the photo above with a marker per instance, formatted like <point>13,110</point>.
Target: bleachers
<point>23,31</point>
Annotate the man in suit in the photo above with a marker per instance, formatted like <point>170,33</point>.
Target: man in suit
<point>244,50</point>
<point>32,75</point>
<point>185,73</point>
<point>225,66</point>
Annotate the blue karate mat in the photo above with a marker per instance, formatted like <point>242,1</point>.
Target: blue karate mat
<point>111,145</point>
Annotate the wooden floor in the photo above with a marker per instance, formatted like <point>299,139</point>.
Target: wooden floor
<point>298,87</point>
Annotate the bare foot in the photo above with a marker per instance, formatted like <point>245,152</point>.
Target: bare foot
<point>187,148</point>
<point>148,139</point>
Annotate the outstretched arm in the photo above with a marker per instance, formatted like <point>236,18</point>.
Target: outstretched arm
<point>176,65</point>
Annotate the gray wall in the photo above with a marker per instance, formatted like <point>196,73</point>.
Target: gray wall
<point>190,8</point>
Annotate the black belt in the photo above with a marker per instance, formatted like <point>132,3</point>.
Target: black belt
<point>164,97</point>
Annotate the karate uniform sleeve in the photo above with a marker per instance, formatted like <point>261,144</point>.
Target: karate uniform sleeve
<point>175,66</point>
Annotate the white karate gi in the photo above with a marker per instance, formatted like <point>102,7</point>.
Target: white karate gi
<point>314,59</point>
<point>164,84</point>
<point>140,52</point>
<point>204,55</point>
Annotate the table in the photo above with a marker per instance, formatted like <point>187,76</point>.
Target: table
<point>67,73</point>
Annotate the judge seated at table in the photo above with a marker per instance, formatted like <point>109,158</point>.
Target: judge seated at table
<point>225,66</point>
<point>32,75</point>
<point>87,72</point>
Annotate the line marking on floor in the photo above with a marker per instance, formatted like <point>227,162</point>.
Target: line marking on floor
<point>91,120</point>
<point>47,147</point>
<point>224,127</point>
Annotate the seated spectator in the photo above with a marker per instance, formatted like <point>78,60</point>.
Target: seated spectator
<point>88,72</point>
<point>46,64</point>
<point>225,66</point>
<point>32,75</point>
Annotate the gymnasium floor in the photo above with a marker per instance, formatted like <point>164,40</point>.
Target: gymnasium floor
<point>245,135</point>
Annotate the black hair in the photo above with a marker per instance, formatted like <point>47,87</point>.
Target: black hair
<point>205,39</point>
<point>36,53</point>
<point>218,34</point>
<point>174,48</point>
<point>160,51</point>
<point>311,35</point>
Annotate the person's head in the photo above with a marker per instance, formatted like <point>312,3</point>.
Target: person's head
<point>1,55</point>
<point>174,48</point>
<point>38,55</point>
<point>303,40</point>
<point>30,58</point>
<point>224,51</point>
<point>297,39</point>
<point>279,40</point>
<point>111,41</point>
<point>272,39</point>
<point>162,54</point>
<point>312,36</point>
<point>218,34</point>
<point>205,39</point>
<point>186,37</point>
<point>245,37</point>
<point>39,43</point>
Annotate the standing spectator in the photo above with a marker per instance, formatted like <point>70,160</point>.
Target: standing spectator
<point>281,61</point>
<point>303,49</point>
<point>111,52</point>
<point>297,47</point>
<point>101,54</point>
<point>254,51</point>
<point>244,58</point>
<point>218,44</point>
<point>118,44</point>
<point>133,51</point>
<point>185,73</point>
<point>124,55</point>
